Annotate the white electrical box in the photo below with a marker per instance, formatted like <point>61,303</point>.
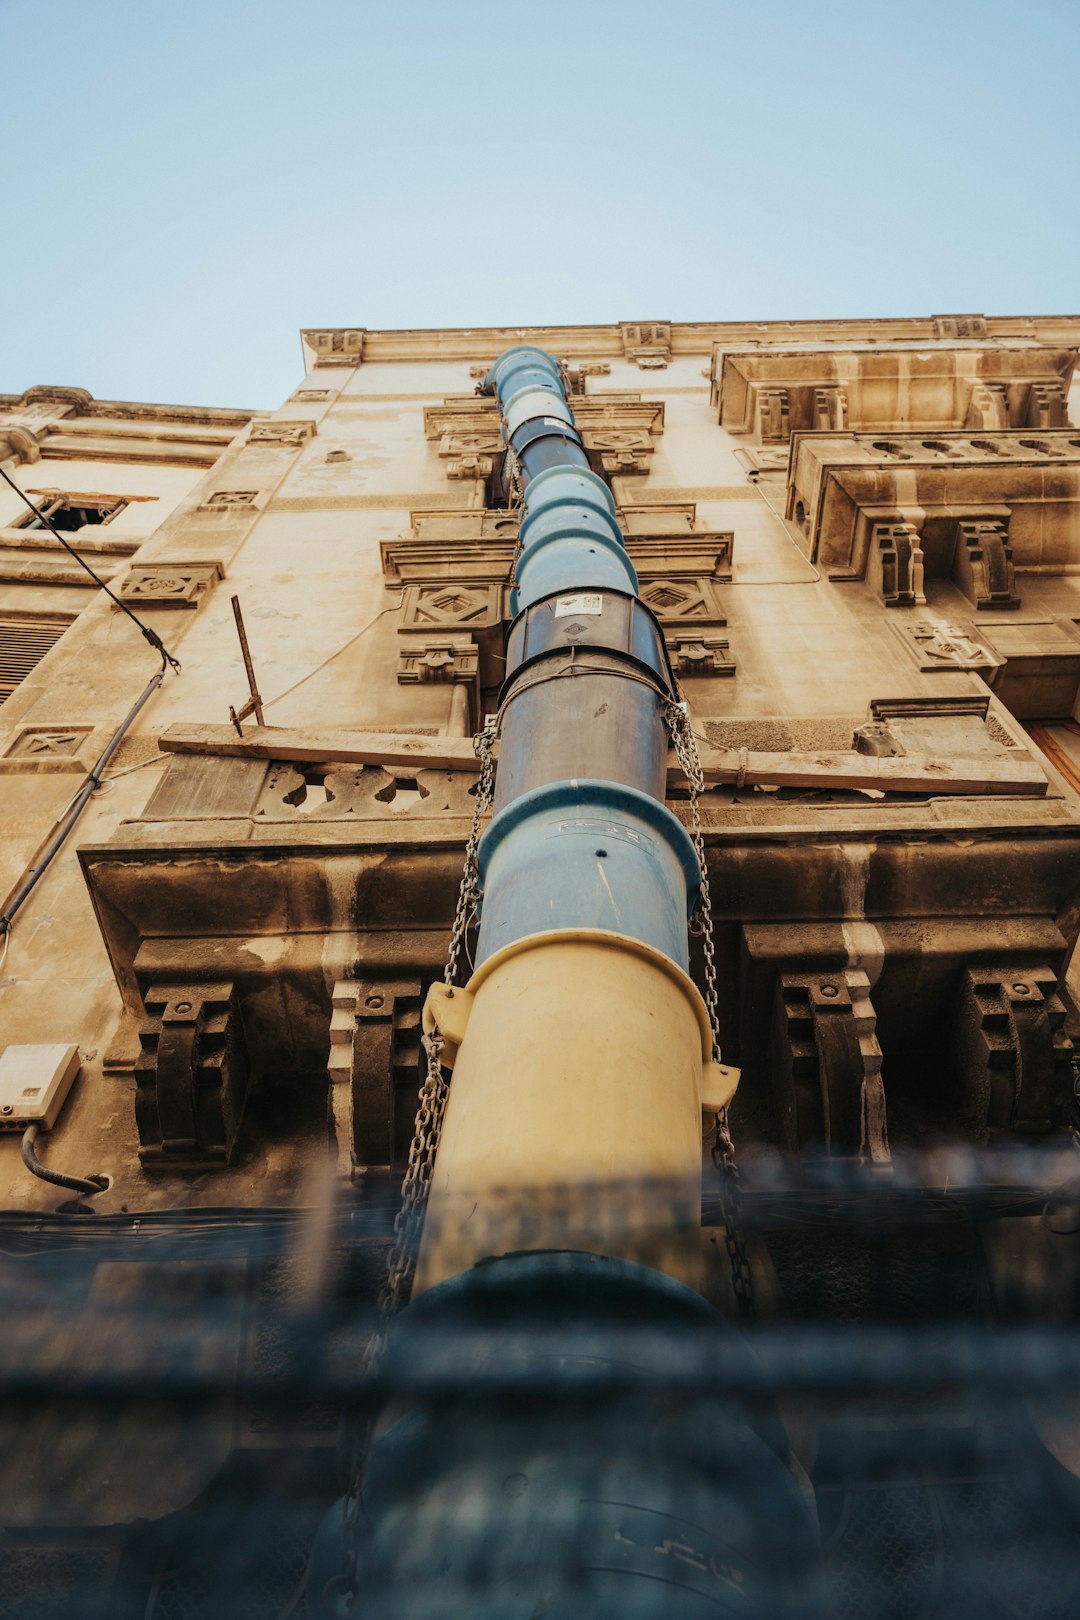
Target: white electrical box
<point>34,1081</point>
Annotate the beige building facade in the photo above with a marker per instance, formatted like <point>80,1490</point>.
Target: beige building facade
<point>861,540</point>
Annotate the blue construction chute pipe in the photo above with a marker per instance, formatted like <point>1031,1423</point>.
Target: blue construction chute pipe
<point>662,1502</point>
<point>583,740</point>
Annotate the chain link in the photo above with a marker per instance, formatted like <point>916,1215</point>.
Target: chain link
<point>416,1184</point>
<point>435,1089</point>
<point>517,502</point>
<point>684,742</point>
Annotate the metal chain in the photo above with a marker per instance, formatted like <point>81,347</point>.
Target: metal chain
<point>684,742</point>
<point>427,1130</point>
<point>434,1091</point>
<point>517,490</point>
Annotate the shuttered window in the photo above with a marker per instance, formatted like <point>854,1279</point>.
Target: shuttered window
<point>24,641</point>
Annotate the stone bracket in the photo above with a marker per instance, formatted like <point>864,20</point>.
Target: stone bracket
<point>982,563</point>
<point>1047,405</point>
<point>1013,1056</point>
<point>374,1070</point>
<point>700,655</point>
<point>773,415</point>
<point>191,1076</point>
<point>830,409</point>
<point>824,1040</point>
<point>648,345</point>
<point>894,566</point>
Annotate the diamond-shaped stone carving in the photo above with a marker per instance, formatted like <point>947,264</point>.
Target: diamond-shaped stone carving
<point>451,606</point>
<point>678,600</point>
<point>48,742</point>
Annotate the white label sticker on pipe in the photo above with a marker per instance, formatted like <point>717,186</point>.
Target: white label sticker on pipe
<point>566,606</point>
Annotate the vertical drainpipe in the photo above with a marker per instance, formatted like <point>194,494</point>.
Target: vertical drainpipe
<point>564,1211</point>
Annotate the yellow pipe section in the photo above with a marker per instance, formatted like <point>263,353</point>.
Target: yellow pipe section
<point>581,1066</point>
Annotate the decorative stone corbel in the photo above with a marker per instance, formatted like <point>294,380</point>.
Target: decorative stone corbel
<point>374,1070</point>
<point>989,407</point>
<point>982,563</point>
<point>1012,1056</point>
<point>1047,405</point>
<point>773,413</point>
<point>19,444</point>
<point>191,1076</point>
<point>441,658</point>
<point>894,563</point>
<point>648,345</point>
<point>701,655</point>
<point>830,409</point>
<point>824,1044</point>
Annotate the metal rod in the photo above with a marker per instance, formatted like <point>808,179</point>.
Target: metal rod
<point>254,703</point>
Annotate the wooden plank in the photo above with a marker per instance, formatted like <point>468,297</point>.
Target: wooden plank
<point>906,773</point>
<point>312,746</point>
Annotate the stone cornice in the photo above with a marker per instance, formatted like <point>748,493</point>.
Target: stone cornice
<point>72,402</point>
<point>688,337</point>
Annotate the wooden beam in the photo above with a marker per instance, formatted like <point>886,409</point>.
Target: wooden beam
<point>312,746</point>
<point>904,773</point>
<point>1003,773</point>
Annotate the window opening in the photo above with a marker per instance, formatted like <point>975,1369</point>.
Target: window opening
<point>72,512</point>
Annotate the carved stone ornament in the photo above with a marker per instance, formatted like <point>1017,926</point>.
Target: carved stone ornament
<point>825,1044</point>
<point>312,396</point>
<point>960,326</point>
<point>894,564</point>
<point>683,601</point>
<point>281,435</point>
<point>989,408</point>
<point>374,1070</point>
<point>1013,1057</point>
<point>438,659</point>
<point>169,584</point>
<point>773,415</point>
<point>701,655</point>
<point>191,1076</point>
<point>830,409</point>
<point>982,563</point>
<point>619,431</point>
<point>620,451</point>
<point>648,345</point>
<point>1048,405</point>
<point>226,502</point>
<point>19,442</point>
<point>48,742</point>
<point>340,346</point>
<point>68,400</point>
<point>945,646</point>
<point>445,606</point>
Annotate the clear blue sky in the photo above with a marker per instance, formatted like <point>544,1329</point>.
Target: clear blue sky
<point>189,183</point>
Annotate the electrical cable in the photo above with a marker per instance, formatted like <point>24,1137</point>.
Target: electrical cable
<point>70,815</point>
<point>269,702</point>
<point>167,659</point>
<point>88,1188</point>
<point>760,488</point>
